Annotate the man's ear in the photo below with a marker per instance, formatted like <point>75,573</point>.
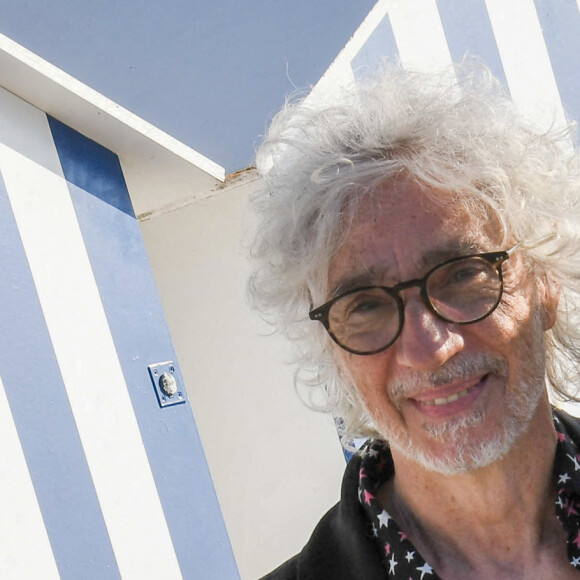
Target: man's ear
<point>549,291</point>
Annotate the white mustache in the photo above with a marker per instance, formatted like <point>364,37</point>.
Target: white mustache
<point>456,369</point>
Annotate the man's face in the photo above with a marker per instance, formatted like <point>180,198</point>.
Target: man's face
<point>453,397</point>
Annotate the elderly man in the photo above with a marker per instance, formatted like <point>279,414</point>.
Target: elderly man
<point>420,243</point>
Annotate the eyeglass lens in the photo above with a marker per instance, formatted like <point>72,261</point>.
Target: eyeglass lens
<point>461,291</point>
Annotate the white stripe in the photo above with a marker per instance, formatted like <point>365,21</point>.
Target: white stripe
<point>419,34</point>
<point>525,60</point>
<point>340,74</point>
<point>83,345</point>
<point>25,550</point>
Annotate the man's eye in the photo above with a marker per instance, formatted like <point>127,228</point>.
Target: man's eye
<point>365,306</point>
<point>370,303</point>
<point>461,273</point>
<point>464,274</point>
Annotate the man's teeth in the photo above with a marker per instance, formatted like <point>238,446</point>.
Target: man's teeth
<point>450,399</point>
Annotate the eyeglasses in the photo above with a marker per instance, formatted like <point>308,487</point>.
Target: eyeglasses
<point>462,290</point>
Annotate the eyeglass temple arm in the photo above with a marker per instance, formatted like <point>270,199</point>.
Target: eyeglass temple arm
<point>533,243</point>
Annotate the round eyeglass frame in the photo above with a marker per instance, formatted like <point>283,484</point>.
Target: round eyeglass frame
<point>496,259</point>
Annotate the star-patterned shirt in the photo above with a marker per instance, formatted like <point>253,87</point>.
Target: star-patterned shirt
<point>403,561</point>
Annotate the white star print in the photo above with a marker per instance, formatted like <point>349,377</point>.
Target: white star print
<point>384,518</point>
<point>563,478</point>
<point>575,562</point>
<point>425,569</point>
<point>575,461</point>
<point>559,502</point>
<point>392,564</point>
<point>375,532</point>
<point>410,556</point>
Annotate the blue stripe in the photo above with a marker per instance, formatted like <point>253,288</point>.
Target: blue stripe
<point>135,317</point>
<point>101,177</point>
<point>44,420</point>
<point>560,21</point>
<point>380,45</point>
<point>468,31</point>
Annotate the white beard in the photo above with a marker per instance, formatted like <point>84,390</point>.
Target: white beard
<point>465,452</point>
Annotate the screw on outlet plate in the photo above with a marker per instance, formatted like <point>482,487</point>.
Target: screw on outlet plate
<point>168,384</point>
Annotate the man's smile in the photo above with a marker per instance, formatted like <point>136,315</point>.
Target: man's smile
<point>445,401</point>
<point>451,399</point>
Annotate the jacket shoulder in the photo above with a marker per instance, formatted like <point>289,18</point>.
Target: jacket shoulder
<point>342,546</point>
<point>287,571</point>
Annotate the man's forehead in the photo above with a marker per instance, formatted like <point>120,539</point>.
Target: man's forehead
<point>405,203</point>
<point>408,225</point>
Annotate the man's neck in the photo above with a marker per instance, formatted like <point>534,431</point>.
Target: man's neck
<point>485,520</point>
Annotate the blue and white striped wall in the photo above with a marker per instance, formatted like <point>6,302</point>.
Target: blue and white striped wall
<point>98,480</point>
<point>533,46</point>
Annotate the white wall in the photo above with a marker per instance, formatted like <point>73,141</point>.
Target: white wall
<point>276,465</point>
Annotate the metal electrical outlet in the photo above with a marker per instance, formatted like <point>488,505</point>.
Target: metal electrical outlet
<point>167,383</point>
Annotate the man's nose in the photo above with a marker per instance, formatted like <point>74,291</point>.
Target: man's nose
<point>426,341</point>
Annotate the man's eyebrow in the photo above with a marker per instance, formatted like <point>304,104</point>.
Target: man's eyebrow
<point>453,249</point>
<point>366,278</point>
<point>372,275</point>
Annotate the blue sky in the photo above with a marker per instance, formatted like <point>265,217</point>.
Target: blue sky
<point>209,73</point>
